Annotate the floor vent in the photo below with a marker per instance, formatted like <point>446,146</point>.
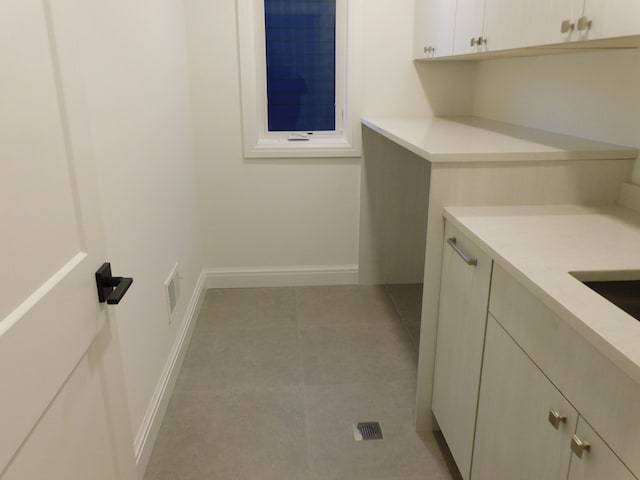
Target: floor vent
<point>367,431</point>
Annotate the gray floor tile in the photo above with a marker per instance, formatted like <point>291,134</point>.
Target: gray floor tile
<point>357,353</point>
<point>244,435</point>
<point>333,409</point>
<point>274,379</point>
<point>407,299</point>
<point>405,453</point>
<point>345,305</point>
<point>230,358</point>
<point>249,307</point>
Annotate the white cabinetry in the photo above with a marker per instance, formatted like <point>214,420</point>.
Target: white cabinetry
<point>447,27</point>
<point>526,427</point>
<point>514,438</point>
<point>469,21</point>
<point>610,19</point>
<point>504,23</point>
<point>464,296</point>
<point>599,462</point>
<point>517,392</point>
<point>547,22</point>
<point>433,28</point>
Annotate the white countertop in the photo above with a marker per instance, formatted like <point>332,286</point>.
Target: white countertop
<point>540,245</point>
<point>474,139</point>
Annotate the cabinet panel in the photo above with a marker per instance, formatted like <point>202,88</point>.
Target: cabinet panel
<point>611,18</point>
<point>461,325</point>
<point>543,21</point>
<point>514,438</point>
<point>468,25</point>
<point>503,24</point>
<point>599,462</point>
<point>433,28</point>
<point>607,397</point>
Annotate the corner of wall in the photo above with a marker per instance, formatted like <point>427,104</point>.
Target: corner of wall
<point>148,432</point>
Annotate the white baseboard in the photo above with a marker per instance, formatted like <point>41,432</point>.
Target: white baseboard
<point>148,432</point>
<point>295,276</point>
<point>630,196</point>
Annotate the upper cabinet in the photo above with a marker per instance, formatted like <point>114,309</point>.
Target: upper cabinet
<point>548,22</point>
<point>500,34</point>
<point>433,29</point>
<point>469,33</point>
<point>609,19</point>
<point>446,28</point>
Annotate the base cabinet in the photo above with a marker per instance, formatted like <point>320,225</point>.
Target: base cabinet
<point>464,297</point>
<point>516,393</point>
<point>598,462</point>
<point>514,437</point>
<point>526,429</point>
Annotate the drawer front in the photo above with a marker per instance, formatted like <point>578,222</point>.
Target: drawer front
<point>604,395</point>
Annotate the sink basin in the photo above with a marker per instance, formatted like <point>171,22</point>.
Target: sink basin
<point>625,294</point>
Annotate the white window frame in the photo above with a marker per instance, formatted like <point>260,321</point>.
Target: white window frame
<point>258,142</point>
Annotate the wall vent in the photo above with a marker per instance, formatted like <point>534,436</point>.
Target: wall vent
<point>172,289</point>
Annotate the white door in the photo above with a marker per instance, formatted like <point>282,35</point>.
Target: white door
<point>63,411</point>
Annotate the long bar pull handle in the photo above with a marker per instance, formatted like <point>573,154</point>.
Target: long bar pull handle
<point>469,261</point>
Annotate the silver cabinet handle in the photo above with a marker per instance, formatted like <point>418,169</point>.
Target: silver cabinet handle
<point>566,26</point>
<point>584,23</point>
<point>579,446</point>
<point>556,419</point>
<point>469,261</point>
<point>478,41</point>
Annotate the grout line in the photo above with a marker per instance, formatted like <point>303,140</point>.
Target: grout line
<point>403,321</point>
<point>304,386</point>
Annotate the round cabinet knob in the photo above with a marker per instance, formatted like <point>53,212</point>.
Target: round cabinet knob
<point>579,446</point>
<point>556,419</point>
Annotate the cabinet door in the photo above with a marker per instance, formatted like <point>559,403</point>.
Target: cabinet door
<point>468,26</point>
<point>433,29</point>
<point>514,438</point>
<point>503,24</point>
<point>543,24</point>
<point>599,462</point>
<point>464,295</point>
<point>611,18</point>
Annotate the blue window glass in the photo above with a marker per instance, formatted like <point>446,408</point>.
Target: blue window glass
<point>301,65</point>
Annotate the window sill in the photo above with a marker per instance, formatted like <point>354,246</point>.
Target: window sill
<point>302,149</point>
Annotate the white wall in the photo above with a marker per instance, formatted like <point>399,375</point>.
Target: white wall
<point>594,95</point>
<point>140,119</point>
<point>288,213</point>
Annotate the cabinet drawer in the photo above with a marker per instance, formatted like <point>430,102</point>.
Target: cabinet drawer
<point>604,395</point>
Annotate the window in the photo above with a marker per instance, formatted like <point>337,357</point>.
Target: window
<point>298,71</point>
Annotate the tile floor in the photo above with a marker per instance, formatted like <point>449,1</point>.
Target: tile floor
<point>275,378</point>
